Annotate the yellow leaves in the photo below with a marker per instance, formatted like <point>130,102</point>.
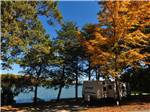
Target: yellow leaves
<point>137,38</point>
<point>99,57</point>
<point>147,54</point>
<point>79,36</point>
<point>99,39</point>
<point>121,42</point>
<point>78,33</point>
<point>134,54</point>
<point>15,41</point>
<point>42,49</point>
<point>130,56</point>
<point>96,40</point>
<point>139,12</point>
<point>113,73</point>
<point>127,14</point>
<point>89,46</point>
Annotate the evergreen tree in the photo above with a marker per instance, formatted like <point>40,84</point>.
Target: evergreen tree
<point>20,26</point>
<point>70,52</point>
<point>23,37</point>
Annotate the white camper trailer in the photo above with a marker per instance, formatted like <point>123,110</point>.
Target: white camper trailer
<point>102,89</point>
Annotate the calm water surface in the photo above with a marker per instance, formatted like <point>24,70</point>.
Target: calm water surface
<point>48,94</point>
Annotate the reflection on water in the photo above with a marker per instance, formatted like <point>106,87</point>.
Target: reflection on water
<point>48,94</point>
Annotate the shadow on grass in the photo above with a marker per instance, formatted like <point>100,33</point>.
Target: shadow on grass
<point>132,100</point>
<point>72,105</point>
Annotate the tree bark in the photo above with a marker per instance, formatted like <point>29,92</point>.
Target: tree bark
<point>117,91</point>
<point>35,94</point>
<point>116,81</point>
<point>36,85</point>
<point>59,92</point>
<point>76,79</point>
<point>76,86</point>
<point>61,84</point>
<point>116,54</point>
<point>89,70</point>
<point>97,74</point>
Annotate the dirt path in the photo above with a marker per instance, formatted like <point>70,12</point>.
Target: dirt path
<point>131,107</point>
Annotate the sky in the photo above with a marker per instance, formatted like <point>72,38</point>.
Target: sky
<point>81,12</point>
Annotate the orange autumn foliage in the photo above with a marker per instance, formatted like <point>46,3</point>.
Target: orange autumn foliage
<point>120,39</point>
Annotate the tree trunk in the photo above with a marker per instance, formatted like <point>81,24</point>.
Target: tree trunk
<point>89,70</point>
<point>117,92</point>
<point>76,86</point>
<point>36,85</point>
<point>116,54</point>
<point>97,74</point>
<point>116,80</point>
<point>61,84</point>
<point>59,92</point>
<point>7,97</point>
<point>35,94</point>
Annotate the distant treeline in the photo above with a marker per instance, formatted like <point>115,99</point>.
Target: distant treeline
<point>19,81</point>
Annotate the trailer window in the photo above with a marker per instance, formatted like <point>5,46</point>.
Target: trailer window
<point>110,87</point>
<point>104,88</point>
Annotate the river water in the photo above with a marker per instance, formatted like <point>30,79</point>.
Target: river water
<point>48,94</point>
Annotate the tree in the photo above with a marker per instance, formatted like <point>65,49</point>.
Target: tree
<point>69,52</point>
<point>138,79</point>
<point>20,26</point>
<point>37,62</point>
<point>12,85</point>
<point>23,37</point>
<point>119,40</point>
<point>87,34</point>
